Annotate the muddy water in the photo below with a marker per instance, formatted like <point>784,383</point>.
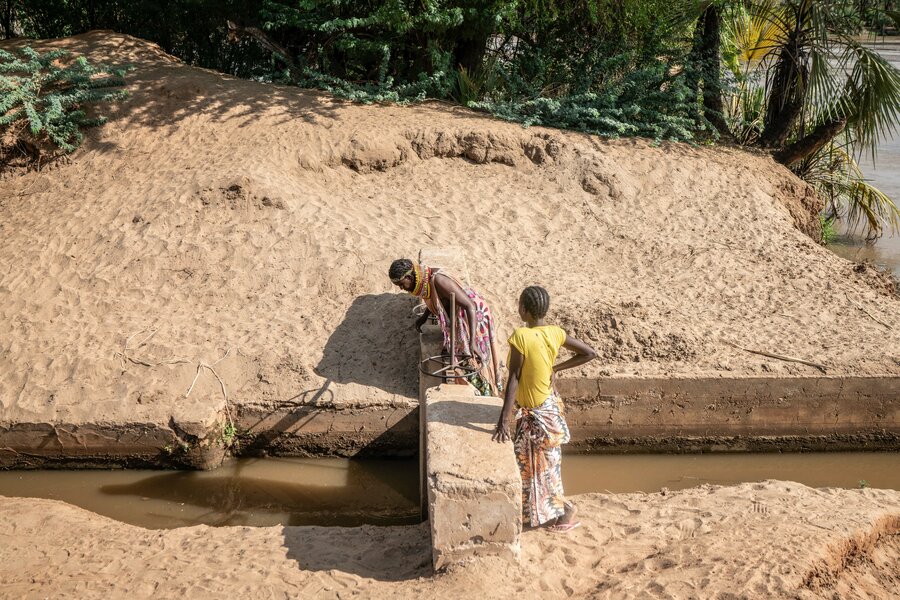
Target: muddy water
<point>273,491</point>
<point>884,174</point>
<point>650,473</point>
<point>326,491</point>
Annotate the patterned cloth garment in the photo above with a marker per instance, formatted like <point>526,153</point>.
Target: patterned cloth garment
<point>540,433</point>
<point>486,380</point>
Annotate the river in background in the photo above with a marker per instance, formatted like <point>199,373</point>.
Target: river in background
<point>884,173</point>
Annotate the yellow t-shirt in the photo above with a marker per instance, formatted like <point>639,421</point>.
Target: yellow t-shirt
<point>539,346</point>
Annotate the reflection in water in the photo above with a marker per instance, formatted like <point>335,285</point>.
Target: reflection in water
<point>651,472</point>
<point>259,492</point>
<point>884,173</point>
<point>328,491</point>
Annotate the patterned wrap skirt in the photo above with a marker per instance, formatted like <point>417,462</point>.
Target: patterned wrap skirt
<point>540,433</point>
<point>486,381</point>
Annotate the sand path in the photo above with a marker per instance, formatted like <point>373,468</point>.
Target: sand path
<point>761,540</point>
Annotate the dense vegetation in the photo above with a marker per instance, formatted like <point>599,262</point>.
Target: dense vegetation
<point>785,75</point>
<point>45,98</point>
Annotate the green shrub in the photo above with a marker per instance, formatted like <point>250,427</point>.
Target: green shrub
<point>603,67</point>
<point>43,97</point>
<point>611,67</point>
<point>828,230</point>
<point>650,100</point>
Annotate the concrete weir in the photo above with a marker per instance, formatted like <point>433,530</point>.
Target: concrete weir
<point>735,414</point>
<point>473,484</point>
<point>471,487</point>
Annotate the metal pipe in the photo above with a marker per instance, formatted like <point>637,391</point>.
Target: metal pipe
<point>453,332</point>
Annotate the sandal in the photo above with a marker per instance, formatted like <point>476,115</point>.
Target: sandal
<point>565,527</point>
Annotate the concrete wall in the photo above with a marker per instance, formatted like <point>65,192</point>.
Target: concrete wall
<point>379,430</point>
<point>42,445</point>
<point>733,414</point>
<point>332,431</point>
<point>473,484</point>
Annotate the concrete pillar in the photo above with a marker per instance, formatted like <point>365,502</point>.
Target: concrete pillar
<point>431,343</point>
<point>473,484</point>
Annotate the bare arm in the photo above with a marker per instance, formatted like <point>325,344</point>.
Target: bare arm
<point>583,354</point>
<point>421,320</point>
<point>447,287</point>
<point>516,360</point>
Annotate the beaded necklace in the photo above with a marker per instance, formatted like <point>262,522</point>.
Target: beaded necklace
<point>423,285</point>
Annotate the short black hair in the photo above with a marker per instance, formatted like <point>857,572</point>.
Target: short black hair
<point>399,268</point>
<point>535,300</point>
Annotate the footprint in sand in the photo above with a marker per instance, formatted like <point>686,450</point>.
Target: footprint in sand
<point>759,508</point>
<point>658,564</point>
<point>689,527</point>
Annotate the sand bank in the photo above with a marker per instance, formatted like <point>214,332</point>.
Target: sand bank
<point>762,540</point>
<point>250,226</point>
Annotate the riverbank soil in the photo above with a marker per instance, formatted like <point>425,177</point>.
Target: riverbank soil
<point>761,540</point>
<point>232,238</point>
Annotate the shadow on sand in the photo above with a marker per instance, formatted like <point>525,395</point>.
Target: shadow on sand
<point>164,92</point>
<point>476,416</point>
<point>375,345</point>
<point>381,553</point>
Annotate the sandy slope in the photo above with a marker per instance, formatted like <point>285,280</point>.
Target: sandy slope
<point>763,540</point>
<point>227,214</point>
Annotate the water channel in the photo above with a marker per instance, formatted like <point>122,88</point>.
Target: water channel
<point>255,492</point>
<point>341,492</point>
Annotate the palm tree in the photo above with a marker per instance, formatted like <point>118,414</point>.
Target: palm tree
<point>705,64</point>
<point>808,91</point>
<point>820,80</point>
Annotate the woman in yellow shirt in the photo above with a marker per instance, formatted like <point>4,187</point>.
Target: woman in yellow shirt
<point>540,422</point>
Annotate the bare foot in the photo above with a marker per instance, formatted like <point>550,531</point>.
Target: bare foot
<point>568,516</point>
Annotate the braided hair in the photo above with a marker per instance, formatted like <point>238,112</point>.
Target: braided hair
<point>535,300</point>
<point>399,268</point>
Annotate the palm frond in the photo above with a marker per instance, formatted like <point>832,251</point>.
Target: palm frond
<point>828,69</point>
<point>866,202</point>
<point>770,15</point>
<point>837,177</point>
<point>754,35</point>
<point>873,97</point>
<point>744,113</point>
